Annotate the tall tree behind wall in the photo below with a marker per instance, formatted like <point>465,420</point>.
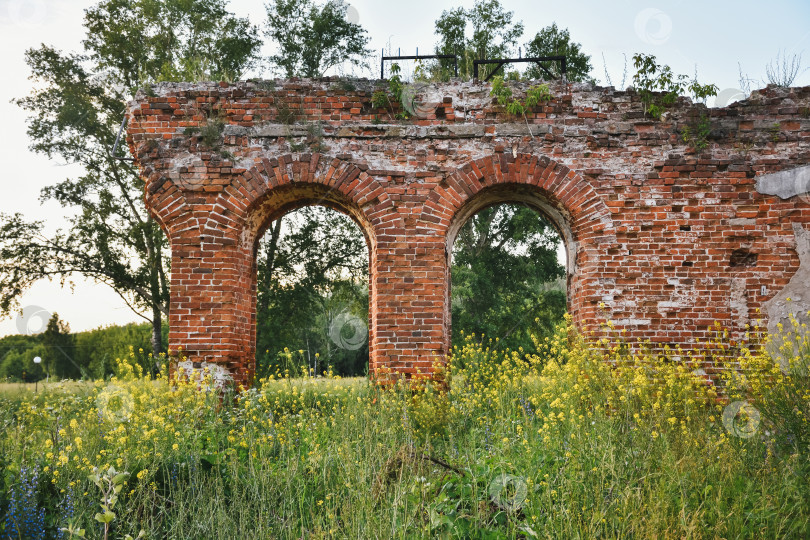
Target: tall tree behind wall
<point>485,31</point>
<point>507,282</point>
<point>75,110</point>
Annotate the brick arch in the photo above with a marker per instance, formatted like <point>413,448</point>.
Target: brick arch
<point>274,186</point>
<point>559,185</point>
<point>168,205</point>
<point>569,202</point>
<point>268,190</point>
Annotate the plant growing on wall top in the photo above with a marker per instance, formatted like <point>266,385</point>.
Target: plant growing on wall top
<point>534,96</point>
<point>382,99</point>
<point>651,78</point>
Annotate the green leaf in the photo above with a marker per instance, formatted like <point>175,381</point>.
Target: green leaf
<point>106,517</point>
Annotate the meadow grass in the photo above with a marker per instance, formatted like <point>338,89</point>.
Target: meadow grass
<point>576,440</point>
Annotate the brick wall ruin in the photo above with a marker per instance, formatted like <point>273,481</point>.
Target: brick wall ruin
<point>663,239</point>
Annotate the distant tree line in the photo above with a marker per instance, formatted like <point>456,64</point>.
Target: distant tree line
<point>82,355</point>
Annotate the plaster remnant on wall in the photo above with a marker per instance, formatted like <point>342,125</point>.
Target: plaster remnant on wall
<point>206,372</point>
<point>785,184</point>
<point>794,299</point>
<point>738,302</point>
<point>742,222</point>
<point>633,322</point>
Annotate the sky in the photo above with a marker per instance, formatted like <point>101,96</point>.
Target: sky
<point>715,38</point>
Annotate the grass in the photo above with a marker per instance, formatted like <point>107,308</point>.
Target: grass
<point>577,440</point>
<point>11,390</point>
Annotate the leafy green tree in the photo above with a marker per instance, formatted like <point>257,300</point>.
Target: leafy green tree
<point>57,358</point>
<point>485,31</point>
<point>311,39</point>
<point>506,277</point>
<point>313,271</point>
<point>17,353</point>
<point>18,365</point>
<point>97,350</point>
<point>75,110</point>
<point>553,41</point>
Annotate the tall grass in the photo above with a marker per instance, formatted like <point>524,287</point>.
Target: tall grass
<point>571,441</point>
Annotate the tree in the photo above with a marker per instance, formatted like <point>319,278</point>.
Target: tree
<point>75,111</point>
<point>312,277</point>
<point>493,34</point>
<point>57,358</point>
<point>552,41</point>
<point>18,365</point>
<point>313,39</point>
<point>506,278</point>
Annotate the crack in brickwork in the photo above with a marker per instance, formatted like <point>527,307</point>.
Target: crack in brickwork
<point>661,240</point>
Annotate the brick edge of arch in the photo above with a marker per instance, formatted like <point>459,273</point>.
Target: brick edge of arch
<point>561,186</point>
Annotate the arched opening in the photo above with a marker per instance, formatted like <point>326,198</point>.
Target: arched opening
<point>511,256</point>
<point>312,294</point>
<point>312,253</point>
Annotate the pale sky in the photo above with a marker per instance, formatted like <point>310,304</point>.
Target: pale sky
<point>713,35</point>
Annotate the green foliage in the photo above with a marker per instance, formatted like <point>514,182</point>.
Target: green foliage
<point>534,96</point>
<point>142,41</point>
<point>576,441</point>
<point>697,134</point>
<point>505,274</point>
<point>382,99</point>
<point>553,41</point>
<point>311,39</point>
<point>75,112</point>
<point>312,294</point>
<point>17,363</point>
<point>110,483</point>
<point>211,132</point>
<point>97,350</point>
<point>651,78</point>
<point>379,99</point>
<point>57,358</point>
<point>493,35</point>
<point>91,354</point>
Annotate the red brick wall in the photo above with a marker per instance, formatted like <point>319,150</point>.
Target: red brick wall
<point>663,240</point>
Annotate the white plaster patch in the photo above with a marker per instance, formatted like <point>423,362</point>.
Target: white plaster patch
<point>794,298</point>
<point>785,184</point>
<point>205,371</point>
<point>633,322</point>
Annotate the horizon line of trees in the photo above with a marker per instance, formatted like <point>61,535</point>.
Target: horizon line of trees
<point>90,354</point>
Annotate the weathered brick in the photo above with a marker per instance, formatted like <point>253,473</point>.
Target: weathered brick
<point>650,224</point>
